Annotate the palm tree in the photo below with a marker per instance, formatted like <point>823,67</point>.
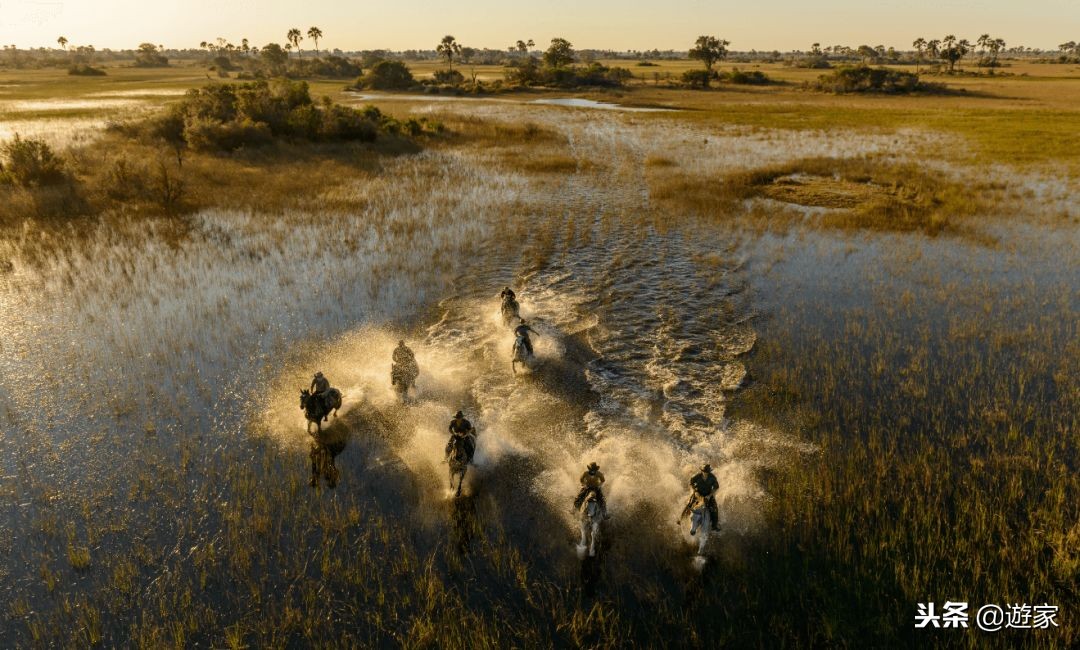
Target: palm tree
<point>919,45</point>
<point>449,47</point>
<point>933,49</point>
<point>294,37</point>
<point>63,42</point>
<point>314,33</point>
<point>983,43</point>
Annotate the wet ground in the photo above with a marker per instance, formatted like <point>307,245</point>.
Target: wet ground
<point>138,370</point>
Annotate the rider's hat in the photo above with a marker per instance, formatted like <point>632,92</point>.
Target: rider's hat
<point>593,467</point>
<point>706,467</point>
<point>319,374</point>
<point>459,414</point>
<point>401,342</point>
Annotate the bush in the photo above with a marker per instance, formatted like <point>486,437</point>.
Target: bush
<point>449,77</point>
<point>85,70</point>
<point>698,78</point>
<point>203,134</point>
<point>30,163</point>
<point>388,75</point>
<point>864,79</point>
<point>752,78</point>
<point>334,67</point>
<point>343,123</point>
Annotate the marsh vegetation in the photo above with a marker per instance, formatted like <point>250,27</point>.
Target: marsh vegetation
<point>861,310</point>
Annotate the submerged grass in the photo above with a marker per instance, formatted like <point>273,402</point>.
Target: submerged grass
<point>861,193</point>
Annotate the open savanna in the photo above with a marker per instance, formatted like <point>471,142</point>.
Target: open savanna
<point>905,268</point>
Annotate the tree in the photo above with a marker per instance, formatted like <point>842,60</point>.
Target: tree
<point>63,42</point>
<point>709,50</point>
<point>314,33</point>
<point>919,45</point>
<point>149,56</point>
<point>867,53</point>
<point>274,56</point>
<point>294,37</point>
<point>953,50</point>
<point>449,48</point>
<point>523,46</point>
<point>560,53</point>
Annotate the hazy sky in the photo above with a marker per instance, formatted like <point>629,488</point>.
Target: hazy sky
<point>616,24</point>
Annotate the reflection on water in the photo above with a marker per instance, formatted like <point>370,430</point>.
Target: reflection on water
<point>136,363</point>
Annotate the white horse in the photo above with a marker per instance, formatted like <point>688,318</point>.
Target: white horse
<point>591,516</point>
<point>521,354</point>
<point>700,523</point>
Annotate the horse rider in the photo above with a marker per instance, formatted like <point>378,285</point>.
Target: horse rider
<point>461,429</point>
<point>522,331</point>
<point>404,358</point>
<point>705,485</point>
<point>591,481</point>
<point>319,385</point>
<point>507,294</point>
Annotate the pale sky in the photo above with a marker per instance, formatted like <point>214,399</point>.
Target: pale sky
<point>601,24</point>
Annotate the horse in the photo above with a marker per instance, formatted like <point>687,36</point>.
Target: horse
<point>591,516</point>
<point>700,522</point>
<point>459,459</point>
<point>403,377</point>
<point>509,311</point>
<point>317,410</point>
<point>521,354</point>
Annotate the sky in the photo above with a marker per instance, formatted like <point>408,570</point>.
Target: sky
<point>601,24</point>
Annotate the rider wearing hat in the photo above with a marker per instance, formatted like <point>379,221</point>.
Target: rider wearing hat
<point>461,429</point>
<point>319,386</point>
<point>705,485</point>
<point>507,293</point>
<point>404,363</point>
<point>591,481</point>
<point>522,331</point>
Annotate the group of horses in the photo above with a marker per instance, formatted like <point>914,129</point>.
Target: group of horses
<point>317,409</point>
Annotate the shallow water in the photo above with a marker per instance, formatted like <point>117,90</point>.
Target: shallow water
<point>185,354</point>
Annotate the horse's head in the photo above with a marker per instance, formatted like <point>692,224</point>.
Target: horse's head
<point>304,395</point>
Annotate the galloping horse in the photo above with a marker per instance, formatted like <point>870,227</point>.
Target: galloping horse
<point>509,310</point>
<point>459,459</point>
<point>700,522</point>
<point>591,516</point>
<point>403,377</point>
<point>316,410</point>
<point>521,354</point>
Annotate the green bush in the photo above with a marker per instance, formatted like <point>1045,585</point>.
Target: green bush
<point>203,134</point>
<point>333,67</point>
<point>698,78</point>
<point>343,123</point>
<point>85,70</point>
<point>752,78</point>
<point>30,163</point>
<point>388,75</point>
<point>449,77</point>
<point>864,79</point>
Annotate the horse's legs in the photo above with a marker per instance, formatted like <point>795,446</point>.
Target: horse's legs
<point>592,538</point>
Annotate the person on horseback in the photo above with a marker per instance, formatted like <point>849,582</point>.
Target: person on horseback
<point>591,481</point>
<point>319,385</point>
<point>404,362</point>
<point>461,430</point>
<point>403,355</point>
<point>705,485</point>
<point>522,332</point>
<point>507,294</point>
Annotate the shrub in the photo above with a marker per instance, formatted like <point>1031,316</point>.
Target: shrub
<point>450,77</point>
<point>343,123</point>
<point>203,134</point>
<point>698,78</point>
<point>85,70</point>
<point>752,78</point>
<point>334,67</point>
<point>388,75</point>
<point>30,163</point>
<point>864,79</point>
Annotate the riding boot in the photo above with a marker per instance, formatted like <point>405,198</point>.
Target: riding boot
<point>714,512</point>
